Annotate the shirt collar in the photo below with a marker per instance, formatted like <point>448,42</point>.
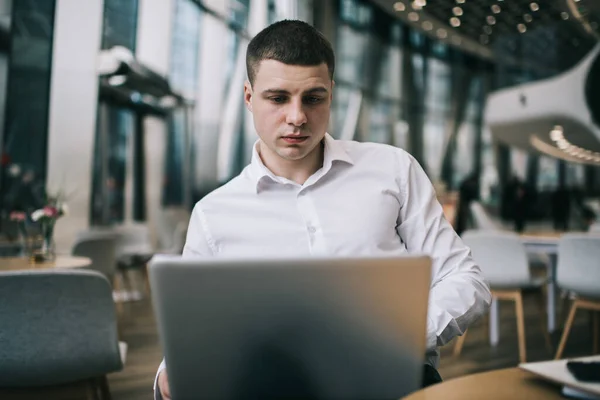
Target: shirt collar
<point>333,149</point>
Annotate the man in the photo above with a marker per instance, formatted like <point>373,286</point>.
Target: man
<point>305,193</point>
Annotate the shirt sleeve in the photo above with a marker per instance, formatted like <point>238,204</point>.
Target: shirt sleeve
<point>198,243</point>
<point>458,294</point>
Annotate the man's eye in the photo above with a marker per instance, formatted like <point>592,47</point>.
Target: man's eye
<point>277,99</point>
<point>313,100</point>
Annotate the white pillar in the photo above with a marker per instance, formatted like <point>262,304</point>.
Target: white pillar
<point>72,111</point>
<point>153,48</point>
<point>212,61</point>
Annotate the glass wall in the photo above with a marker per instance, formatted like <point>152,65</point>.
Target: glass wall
<point>26,69</point>
<point>394,85</point>
<point>115,124</point>
<point>183,78</point>
<point>547,179</point>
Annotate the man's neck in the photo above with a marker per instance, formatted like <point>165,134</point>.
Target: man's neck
<point>295,170</point>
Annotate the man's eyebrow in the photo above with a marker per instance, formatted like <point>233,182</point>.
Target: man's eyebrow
<point>315,90</point>
<point>275,91</point>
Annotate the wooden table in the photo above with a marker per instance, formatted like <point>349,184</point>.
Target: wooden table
<point>511,383</point>
<point>23,263</point>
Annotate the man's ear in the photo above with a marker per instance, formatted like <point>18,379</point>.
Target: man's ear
<point>248,95</point>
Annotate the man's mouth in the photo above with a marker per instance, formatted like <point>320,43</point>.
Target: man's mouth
<point>294,139</point>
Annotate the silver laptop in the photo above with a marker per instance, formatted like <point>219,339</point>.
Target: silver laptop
<point>292,328</point>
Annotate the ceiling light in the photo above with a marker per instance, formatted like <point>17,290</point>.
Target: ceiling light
<point>442,33</point>
<point>427,25</point>
<point>534,6</point>
<point>457,11</point>
<point>460,1</point>
<point>415,5</point>
<point>556,134</point>
<point>487,29</point>
<point>491,20</point>
<point>527,17</point>
<point>563,145</point>
<point>496,9</point>
<point>421,3</point>
<point>455,22</point>
<point>117,80</point>
<point>564,15</point>
<point>522,28</point>
<point>413,16</point>
<point>399,6</point>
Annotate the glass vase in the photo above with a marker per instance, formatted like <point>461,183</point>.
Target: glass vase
<point>48,248</point>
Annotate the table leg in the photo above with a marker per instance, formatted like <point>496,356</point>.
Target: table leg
<point>551,306</point>
<point>494,323</point>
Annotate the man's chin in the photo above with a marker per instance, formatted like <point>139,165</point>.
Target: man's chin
<point>293,154</point>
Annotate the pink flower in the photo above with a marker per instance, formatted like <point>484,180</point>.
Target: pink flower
<point>50,211</point>
<point>17,216</point>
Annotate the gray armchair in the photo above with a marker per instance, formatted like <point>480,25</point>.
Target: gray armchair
<point>578,272</point>
<point>58,327</point>
<point>101,248</point>
<point>503,262</point>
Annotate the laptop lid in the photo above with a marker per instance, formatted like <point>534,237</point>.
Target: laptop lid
<point>292,328</point>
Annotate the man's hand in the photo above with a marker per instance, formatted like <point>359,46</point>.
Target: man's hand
<point>163,385</point>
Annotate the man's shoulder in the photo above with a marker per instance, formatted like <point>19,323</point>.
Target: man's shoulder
<point>234,188</point>
<point>370,151</point>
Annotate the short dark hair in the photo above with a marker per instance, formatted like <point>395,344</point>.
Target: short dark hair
<point>290,42</point>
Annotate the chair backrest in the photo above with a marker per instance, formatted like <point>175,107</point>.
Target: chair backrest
<point>481,218</point>
<point>170,220</point>
<point>595,227</point>
<point>58,326</point>
<point>501,256</point>
<point>133,239</point>
<point>101,248</point>
<point>578,268</point>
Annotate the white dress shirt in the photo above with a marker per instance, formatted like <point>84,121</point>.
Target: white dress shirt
<point>367,199</point>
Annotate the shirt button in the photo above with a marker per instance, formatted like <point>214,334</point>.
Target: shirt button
<point>312,229</point>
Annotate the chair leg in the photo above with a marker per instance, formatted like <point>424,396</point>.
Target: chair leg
<point>564,306</point>
<point>104,389</point>
<point>565,335</point>
<point>146,278</point>
<point>127,285</point>
<point>520,326</point>
<point>460,341</point>
<point>92,392</point>
<point>596,331</point>
<point>542,310</point>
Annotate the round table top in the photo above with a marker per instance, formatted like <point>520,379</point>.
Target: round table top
<point>511,383</point>
<point>61,261</point>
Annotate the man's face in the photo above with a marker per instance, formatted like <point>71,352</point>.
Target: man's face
<point>291,107</point>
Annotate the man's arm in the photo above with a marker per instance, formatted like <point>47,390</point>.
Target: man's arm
<point>459,295</point>
<point>198,243</point>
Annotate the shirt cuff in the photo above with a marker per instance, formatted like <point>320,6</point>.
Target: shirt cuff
<point>431,335</point>
<point>157,395</point>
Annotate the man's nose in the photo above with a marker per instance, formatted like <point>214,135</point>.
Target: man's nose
<point>295,114</point>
